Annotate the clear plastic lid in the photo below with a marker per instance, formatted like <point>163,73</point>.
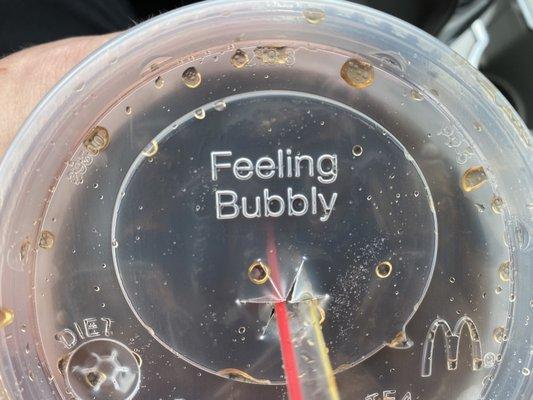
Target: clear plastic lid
<point>268,200</point>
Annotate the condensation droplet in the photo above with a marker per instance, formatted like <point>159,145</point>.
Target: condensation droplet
<point>114,243</point>
<point>416,95</point>
<point>191,77</point>
<point>384,269</point>
<point>499,334</point>
<point>199,113</point>
<point>97,140</point>
<point>127,110</point>
<point>526,371</point>
<point>159,82</point>
<point>473,178</point>
<point>25,249</point>
<point>273,55</point>
<point>357,73</point>
<point>497,205</point>
<point>46,241</point>
<point>239,59</point>
<point>357,150</point>
<point>489,360</point>
<point>314,15</point>
<point>452,279</point>
<point>478,127</point>
<point>151,149</point>
<point>241,330</point>
<point>6,317</point>
<point>504,271</point>
<point>480,207</point>
<point>220,105</point>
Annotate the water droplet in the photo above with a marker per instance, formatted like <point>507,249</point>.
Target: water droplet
<point>478,127</point>
<point>6,317</point>
<point>151,149</point>
<point>526,371</point>
<point>273,55</point>
<point>480,207</point>
<point>46,241</point>
<point>357,150</point>
<point>25,248</point>
<point>473,178</point>
<point>416,95</point>
<point>239,59</point>
<point>504,271</point>
<point>499,334</point>
<point>199,113</point>
<point>489,360</point>
<point>241,330</point>
<point>96,288</point>
<point>114,243</point>
<point>258,273</point>
<point>384,269</point>
<point>127,110</point>
<point>191,77</point>
<point>159,82</point>
<point>498,289</point>
<point>97,140</point>
<point>220,105</point>
<point>497,205</point>
<point>452,279</point>
<point>357,73</point>
<point>314,15</point>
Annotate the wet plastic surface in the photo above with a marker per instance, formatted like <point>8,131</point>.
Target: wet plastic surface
<point>160,183</point>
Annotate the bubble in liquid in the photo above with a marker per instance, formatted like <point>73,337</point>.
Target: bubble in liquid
<point>191,77</point>
<point>239,59</point>
<point>503,271</point>
<point>199,113</point>
<point>473,178</point>
<point>97,140</point>
<point>384,269</point>
<point>6,317</point>
<point>357,73</point>
<point>272,54</point>
<point>46,241</point>
<point>357,150</point>
<point>499,334</point>
<point>497,205</point>
<point>314,15</point>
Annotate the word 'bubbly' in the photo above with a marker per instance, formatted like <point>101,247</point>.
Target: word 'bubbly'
<point>284,165</point>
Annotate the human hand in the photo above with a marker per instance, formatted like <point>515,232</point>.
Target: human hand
<point>26,76</point>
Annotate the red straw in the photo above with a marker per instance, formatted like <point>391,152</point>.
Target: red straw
<point>288,354</point>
